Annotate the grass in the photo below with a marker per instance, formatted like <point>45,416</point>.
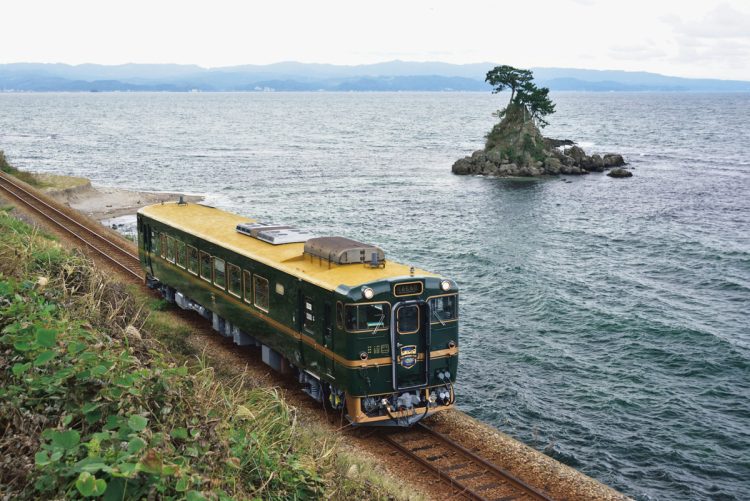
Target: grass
<point>93,404</point>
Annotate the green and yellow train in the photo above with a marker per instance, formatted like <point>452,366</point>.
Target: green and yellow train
<point>375,339</point>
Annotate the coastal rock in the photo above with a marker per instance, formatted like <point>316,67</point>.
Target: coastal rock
<point>613,160</point>
<point>619,172</point>
<point>553,165</point>
<point>462,166</point>
<point>516,147</point>
<point>556,143</point>
<point>576,153</point>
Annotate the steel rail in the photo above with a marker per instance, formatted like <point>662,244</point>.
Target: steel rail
<point>505,479</point>
<point>64,221</point>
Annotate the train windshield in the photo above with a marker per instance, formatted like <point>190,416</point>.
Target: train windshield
<point>444,308</point>
<point>367,317</point>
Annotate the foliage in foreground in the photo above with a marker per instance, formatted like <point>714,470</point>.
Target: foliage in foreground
<point>94,408</point>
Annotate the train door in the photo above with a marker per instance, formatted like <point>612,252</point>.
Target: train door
<point>144,242</point>
<point>328,337</point>
<point>311,326</point>
<point>410,341</point>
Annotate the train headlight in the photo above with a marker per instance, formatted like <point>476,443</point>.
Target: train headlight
<point>445,285</point>
<point>368,293</point>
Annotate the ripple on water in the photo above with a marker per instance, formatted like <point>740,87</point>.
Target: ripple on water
<point>603,322</point>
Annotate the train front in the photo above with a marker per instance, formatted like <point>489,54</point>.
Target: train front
<point>404,333</point>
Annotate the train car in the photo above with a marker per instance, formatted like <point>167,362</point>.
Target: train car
<point>372,338</point>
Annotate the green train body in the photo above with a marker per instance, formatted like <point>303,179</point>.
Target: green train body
<point>373,338</point>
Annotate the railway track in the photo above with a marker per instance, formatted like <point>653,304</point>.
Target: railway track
<point>91,234</point>
<point>469,475</point>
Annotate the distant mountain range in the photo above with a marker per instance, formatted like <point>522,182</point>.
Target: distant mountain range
<point>293,76</point>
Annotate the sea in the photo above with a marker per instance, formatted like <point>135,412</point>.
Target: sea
<point>604,321</point>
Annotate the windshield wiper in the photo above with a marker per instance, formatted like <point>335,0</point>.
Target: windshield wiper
<point>434,313</point>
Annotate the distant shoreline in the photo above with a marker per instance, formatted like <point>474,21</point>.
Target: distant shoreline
<point>390,76</point>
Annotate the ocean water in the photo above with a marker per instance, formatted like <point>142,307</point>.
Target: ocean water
<point>604,321</point>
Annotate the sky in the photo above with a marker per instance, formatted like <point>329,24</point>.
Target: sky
<point>696,38</point>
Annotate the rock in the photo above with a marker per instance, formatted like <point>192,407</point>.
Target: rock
<point>552,165</point>
<point>619,172</point>
<point>516,147</point>
<point>494,155</point>
<point>570,169</point>
<point>613,160</point>
<point>462,166</point>
<point>576,153</point>
<point>566,160</point>
<point>594,163</point>
<point>556,143</point>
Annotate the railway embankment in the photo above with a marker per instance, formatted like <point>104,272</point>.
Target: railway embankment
<point>342,464</point>
<point>93,403</point>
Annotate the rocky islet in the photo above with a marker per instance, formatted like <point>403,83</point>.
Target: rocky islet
<point>516,147</point>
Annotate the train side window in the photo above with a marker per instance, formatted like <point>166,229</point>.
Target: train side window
<point>308,322</point>
<point>181,255</point>
<point>260,291</point>
<point>163,246</point>
<point>155,242</point>
<point>170,249</point>
<point>247,279</point>
<point>220,273</point>
<point>205,266</point>
<point>339,315</point>
<point>367,317</point>
<point>235,279</point>
<point>192,259</point>
<point>444,308</point>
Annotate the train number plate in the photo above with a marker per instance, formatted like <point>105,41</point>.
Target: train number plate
<point>408,289</point>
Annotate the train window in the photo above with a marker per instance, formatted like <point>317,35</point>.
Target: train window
<point>206,266</point>
<point>235,279</point>
<point>407,319</point>
<point>339,315</point>
<point>444,308</point>
<point>163,246</point>
<point>170,249</point>
<point>308,322</point>
<point>367,317</point>
<point>260,288</point>
<point>181,255</point>
<point>192,259</point>
<point>247,278</point>
<point>220,273</point>
<point>155,242</point>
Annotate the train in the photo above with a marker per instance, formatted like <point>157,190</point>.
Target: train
<point>369,337</point>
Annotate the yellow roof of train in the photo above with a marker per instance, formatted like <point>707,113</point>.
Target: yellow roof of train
<point>219,227</point>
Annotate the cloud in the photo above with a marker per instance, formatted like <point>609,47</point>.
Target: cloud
<point>721,23</point>
<point>637,52</point>
<point>718,40</point>
<point>724,53</point>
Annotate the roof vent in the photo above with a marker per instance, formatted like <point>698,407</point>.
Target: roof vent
<point>340,250</point>
<point>275,234</point>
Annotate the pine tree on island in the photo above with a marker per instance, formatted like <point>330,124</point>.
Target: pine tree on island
<point>515,146</point>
